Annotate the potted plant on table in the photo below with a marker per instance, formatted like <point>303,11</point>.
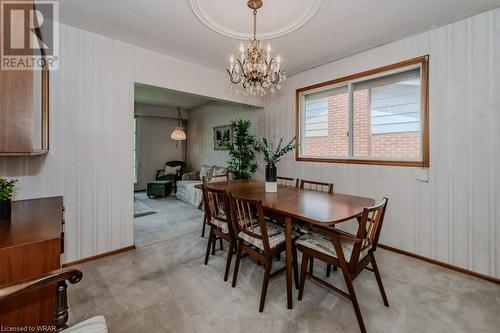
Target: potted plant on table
<point>272,156</point>
<point>6,188</point>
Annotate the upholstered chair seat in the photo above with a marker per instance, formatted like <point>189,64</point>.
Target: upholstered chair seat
<point>324,245</point>
<point>221,224</point>
<point>275,233</point>
<point>93,325</point>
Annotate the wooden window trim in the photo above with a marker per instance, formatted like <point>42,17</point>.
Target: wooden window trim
<point>424,163</point>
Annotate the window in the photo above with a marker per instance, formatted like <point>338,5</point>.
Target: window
<point>375,117</point>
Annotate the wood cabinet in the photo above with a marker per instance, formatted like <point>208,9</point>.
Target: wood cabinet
<point>24,101</point>
<point>24,130</point>
<point>30,245</point>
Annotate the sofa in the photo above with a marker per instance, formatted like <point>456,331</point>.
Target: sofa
<point>186,190</point>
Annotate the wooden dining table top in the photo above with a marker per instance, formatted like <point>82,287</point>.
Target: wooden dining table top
<point>315,207</point>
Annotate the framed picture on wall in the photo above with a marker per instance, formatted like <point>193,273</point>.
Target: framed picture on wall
<point>223,136</point>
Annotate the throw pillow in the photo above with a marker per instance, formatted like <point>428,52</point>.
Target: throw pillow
<point>217,179</point>
<point>171,170</point>
<point>218,171</point>
<point>205,171</point>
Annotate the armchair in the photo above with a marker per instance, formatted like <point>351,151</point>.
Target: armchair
<point>59,277</point>
<point>167,173</point>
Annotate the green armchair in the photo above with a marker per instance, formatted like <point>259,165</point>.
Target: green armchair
<point>172,171</point>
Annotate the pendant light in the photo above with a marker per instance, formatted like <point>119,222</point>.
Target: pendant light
<point>178,134</point>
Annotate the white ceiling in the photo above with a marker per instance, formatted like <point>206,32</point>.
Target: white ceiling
<point>339,28</point>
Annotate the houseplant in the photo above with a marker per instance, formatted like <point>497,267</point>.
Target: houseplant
<point>272,156</point>
<point>241,161</point>
<point>6,188</point>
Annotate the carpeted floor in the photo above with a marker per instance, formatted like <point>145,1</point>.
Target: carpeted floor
<point>140,208</point>
<point>163,286</point>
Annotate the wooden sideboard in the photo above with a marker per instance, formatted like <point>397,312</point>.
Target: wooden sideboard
<point>30,245</point>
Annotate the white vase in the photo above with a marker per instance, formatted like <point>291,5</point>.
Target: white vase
<point>271,187</point>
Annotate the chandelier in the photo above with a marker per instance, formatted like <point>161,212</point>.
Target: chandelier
<point>256,71</point>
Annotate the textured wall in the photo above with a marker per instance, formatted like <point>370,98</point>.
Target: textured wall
<point>155,147</point>
<point>200,143</point>
<point>91,126</point>
<point>455,216</point>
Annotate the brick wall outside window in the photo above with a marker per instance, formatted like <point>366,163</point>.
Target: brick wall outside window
<point>365,145</point>
<point>337,141</point>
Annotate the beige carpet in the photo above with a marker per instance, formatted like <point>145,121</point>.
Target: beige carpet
<point>163,286</point>
<point>141,209</point>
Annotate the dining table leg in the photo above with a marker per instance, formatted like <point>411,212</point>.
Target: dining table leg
<point>288,240</point>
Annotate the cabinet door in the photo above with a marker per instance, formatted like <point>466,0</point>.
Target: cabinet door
<point>27,262</point>
<point>16,111</point>
<point>23,93</point>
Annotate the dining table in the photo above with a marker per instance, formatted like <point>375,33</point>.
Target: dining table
<point>290,204</point>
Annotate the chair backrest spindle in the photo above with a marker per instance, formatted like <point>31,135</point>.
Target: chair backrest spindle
<point>286,181</point>
<point>369,227</point>
<point>247,216</point>
<point>316,186</point>
<point>217,205</point>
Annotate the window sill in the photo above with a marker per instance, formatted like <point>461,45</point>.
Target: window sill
<point>420,164</point>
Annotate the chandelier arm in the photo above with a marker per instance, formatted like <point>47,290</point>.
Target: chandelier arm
<point>268,68</point>
<point>232,79</point>
<point>240,64</point>
<point>277,78</point>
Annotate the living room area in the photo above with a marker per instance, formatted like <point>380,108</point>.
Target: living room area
<point>169,165</point>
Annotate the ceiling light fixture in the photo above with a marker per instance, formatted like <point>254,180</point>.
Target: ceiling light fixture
<point>256,71</point>
<point>178,134</point>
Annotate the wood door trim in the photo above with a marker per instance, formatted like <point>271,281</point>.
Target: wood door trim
<point>441,264</point>
<point>99,256</point>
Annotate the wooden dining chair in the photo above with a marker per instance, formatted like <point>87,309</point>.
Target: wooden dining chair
<point>212,179</point>
<point>258,238</point>
<point>352,253</point>
<point>323,187</point>
<point>286,181</point>
<point>217,209</point>
<point>316,186</point>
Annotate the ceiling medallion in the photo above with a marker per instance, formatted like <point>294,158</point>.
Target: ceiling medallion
<point>256,71</point>
<point>203,11</point>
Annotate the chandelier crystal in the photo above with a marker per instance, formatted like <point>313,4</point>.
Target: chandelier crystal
<point>256,71</point>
